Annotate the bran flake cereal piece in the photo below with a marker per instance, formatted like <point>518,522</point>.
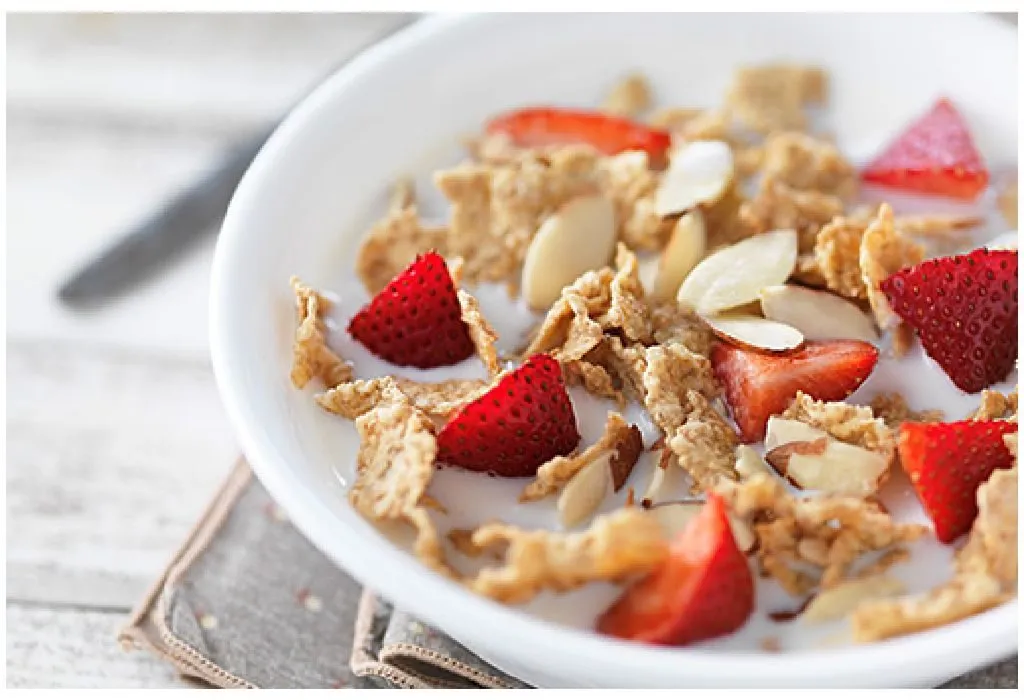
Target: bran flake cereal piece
<point>778,206</point>
<point>936,225</point>
<point>311,357</point>
<point>807,271</point>
<point>846,422</point>
<point>837,254</point>
<point>630,97</point>
<point>625,363</point>
<point>771,98</point>
<point>395,464</point>
<point>705,445</point>
<point>592,377</point>
<point>893,409</point>
<point>671,373</point>
<point>392,244</point>
<point>437,399</point>
<point>804,162</point>
<point>622,544</point>
<point>812,541</point>
<point>462,541</point>
<point>723,220</point>
<point>748,160</point>
<point>884,251</point>
<point>673,118</point>
<point>403,194</point>
<point>992,545</point>
<point>569,330</point>
<point>619,437</point>
<point>996,406</point>
<point>673,323</point>
<point>985,571</point>
<point>1008,203</point>
<point>627,179</point>
<point>875,620</point>
<point>481,332</point>
<point>627,311</point>
<point>497,207</point>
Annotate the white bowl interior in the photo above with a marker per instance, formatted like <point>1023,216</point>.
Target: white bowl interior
<point>402,108</point>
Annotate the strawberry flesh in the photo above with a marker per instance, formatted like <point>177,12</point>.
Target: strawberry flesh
<point>542,126</point>
<point>518,425</point>
<point>947,462</point>
<point>964,309</point>
<point>703,590</point>
<point>935,155</point>
<point>759,385</point>
<point>415,321</point>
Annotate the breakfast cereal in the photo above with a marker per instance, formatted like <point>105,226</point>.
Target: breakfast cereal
<point>754,446</point>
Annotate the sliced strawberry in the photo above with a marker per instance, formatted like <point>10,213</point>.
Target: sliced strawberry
<point>415,321</point>
<point>518,425</point>
<point>542,126</point>
<point>964,309</point>
<point>759,385</point>
<point>947,462</point>
<point>935,155</point>
<point>703,590</point>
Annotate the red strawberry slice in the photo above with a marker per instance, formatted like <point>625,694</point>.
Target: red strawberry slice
<point>541,126</point>
<point>703,590</point>
<point>935,155</point>
<point>759,385</point>
<point>518,425</point>
<point>964,309</point>
<point>947,462</point>
<point>415,321</point>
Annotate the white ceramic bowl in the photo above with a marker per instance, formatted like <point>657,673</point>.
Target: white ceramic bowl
<point>401,107</point>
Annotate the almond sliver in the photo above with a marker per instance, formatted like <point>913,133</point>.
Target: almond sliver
<point>735,275</point>
<point>818,315</point>
<point>755,332</point>
<point>699,173</point>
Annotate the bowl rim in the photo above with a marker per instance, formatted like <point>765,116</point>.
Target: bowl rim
<point>979,639</point>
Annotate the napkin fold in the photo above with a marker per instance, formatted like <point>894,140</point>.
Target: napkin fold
<point>248,602</point>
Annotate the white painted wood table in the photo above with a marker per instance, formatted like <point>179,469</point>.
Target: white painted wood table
<point>115,435</point>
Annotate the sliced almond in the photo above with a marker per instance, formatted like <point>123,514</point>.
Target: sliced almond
<point>685,248</point>
<point>755,332</point>
<point>665,478</point>
<point>829,466</point>
<point>836,603</point>
<point>676,515</point>
<point>699,173</point>
<point>780,456</point>
<point>818,315</point>
<point>577,238</point>
<point>585,491</point>
<point>735,275</point>
<point>783,430</point>
<point>749,464</point>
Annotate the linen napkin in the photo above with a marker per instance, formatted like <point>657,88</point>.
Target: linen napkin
<point>247,602</point>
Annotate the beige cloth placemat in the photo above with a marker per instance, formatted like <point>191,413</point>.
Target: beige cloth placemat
<point>248,602</point>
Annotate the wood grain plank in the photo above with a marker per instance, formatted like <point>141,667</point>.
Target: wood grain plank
<point>76,649</point>
<point>111,457</point>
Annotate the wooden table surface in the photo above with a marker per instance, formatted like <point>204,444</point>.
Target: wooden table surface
<point>115,435</point>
